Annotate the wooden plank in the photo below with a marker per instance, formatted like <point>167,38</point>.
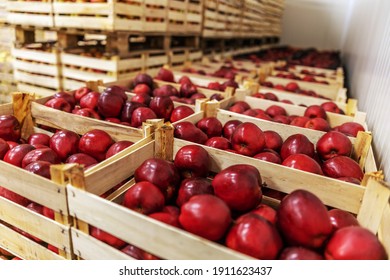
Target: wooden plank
<point>24,247</point>
<point>89,248</point>
<point>36,188</point>
<point>375,201</point>
<point>119,170</point>
<point>38,91</point>
<point>6,109</point>
<point>361,147</point>
<point>39,68</point>
<point>150,235</point>
<point>384,228</point>
<point>89,62</point>
<point>35,55</point>
<point>37,79</point>
<point>35,224</point>
<point>62,120</point>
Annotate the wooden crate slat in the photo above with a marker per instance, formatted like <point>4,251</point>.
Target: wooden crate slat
<point>40,80</point>
<point>39,91</point>
<point>37,188</point>
<point>38,68</point>
<point>41,56</point>
<point>36,224</point>
<point>89,248</point>
<point>90,62</point>
<point>24,247</point>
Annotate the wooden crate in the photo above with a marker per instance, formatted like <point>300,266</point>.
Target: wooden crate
<point>333,74</point>
<point>222,18</point>
<point>180,56</point>
<point>333,92</point>
<point>147,16</point>
<point>27,13</point>
<point>168,242</point>
<point>52,193</point>
<point>367,162</point>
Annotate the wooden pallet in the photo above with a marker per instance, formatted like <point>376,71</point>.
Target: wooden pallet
<point>168,242</point>
<point>27,13</point>
<point>51,193</point>
<point>173,16</point>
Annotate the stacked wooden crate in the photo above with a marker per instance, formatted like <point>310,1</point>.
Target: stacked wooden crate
<point>7,83</point>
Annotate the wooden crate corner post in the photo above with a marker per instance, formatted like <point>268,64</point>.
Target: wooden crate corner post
<point>361,147</point>
<point>163,145</point>
<point>21,103</point>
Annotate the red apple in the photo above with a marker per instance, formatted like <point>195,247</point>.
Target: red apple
<point>172,209</point>
<point>281,119</point>
<point>81,158</point>
<point>181,112</point>
<point>133,251</point>
<point>239,186</point>
<point>143,89</point>
<point>162,106</point>
<point>292,86</point>
<point>245,237</point>
<point>143,78</point>
<point>192,161</point>
<point>68,96</point>
<point>143,98</point>
<point>118,147</point>
<point>333,144</point>
<point>229,127</point>
<point>87,112</point>
<point>140,115</point>
<point>315,111</point>
<point>350,128</point>
<point>299,253</point>
<point>39,138</point>
<point>187,90</point>
<point>269,156</point>
<point>106,237</point>
<point>110,104</point>
<point>195,216</point>
<point>128,109</point>
<point>271,96</point>
<point>65,143</point>
<point>4,148</point>
<point>161,173</point>
<point>219,143</point>
<point>248,139</point>
<point>266,212</point>
<point>211,126</point>
<point>165,90</point>
<point>342,166</point>
<point>166,218</point>
<point>59,103</point>
<point>303,220</point>
<point>144,197</point>
<point>95,143</point>
<point>39,167</point>
<point>350,180</point>
<point>341,218</point>
<point>79,93</point>
<point>41,154</point>
<point>275,110</point>
<point>15,155</point>
<point>318,124</point>
<point>90,100</point>
<point>189,132</point>
<point>193,186</point>
<point>214,86</point>
<point>273,140</point>
<point>10,129</point>
<point>303,162</point>
<point>165,75</point>
<point>297,144</point>
<point>237,108</point>
<point>299,121</point>
<point>330,106</point>
<point>354,243</point>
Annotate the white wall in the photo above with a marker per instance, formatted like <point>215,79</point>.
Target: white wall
<point>315,23</point>
<point>361,30</point>
<point>366,53</point>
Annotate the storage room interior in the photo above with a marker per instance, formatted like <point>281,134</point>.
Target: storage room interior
<point>182,98</point>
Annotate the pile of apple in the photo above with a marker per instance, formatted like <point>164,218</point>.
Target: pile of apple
<point>188,90</point>
<point>40,150</point>
<point>113,105</point>
<point>292,87</point>
<point>330,156</point>
<point>314,116</point>
<point>306,78</point>
<point>328,106</point>
<point>227,208</point>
